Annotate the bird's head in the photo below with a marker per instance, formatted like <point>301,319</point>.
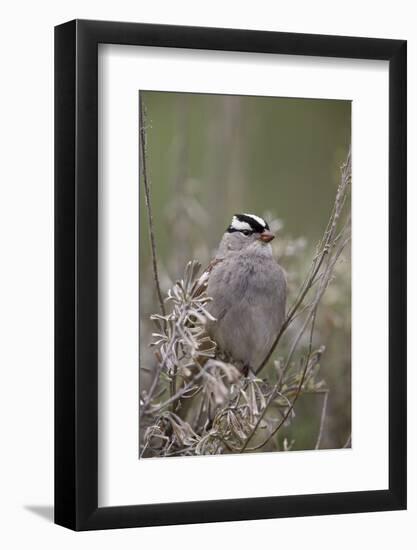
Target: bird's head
<point>247,230</point>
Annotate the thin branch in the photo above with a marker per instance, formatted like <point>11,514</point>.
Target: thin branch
<point>160,367</point>
<point>142,127</point>
<point>300,385</point>
<point>154,384</point>
<point>173,399</point>
<point>261,416</point>
<point>322,419</point>
<point>325,281</point>
<point>323,250</point>
<point>331,261</point>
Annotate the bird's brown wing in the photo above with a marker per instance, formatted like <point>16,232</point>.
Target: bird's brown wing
<point>201,284</point>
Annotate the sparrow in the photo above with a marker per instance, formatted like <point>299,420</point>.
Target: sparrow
<point>248,291</point>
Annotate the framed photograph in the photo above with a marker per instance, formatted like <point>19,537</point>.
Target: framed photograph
<point>230,255</point>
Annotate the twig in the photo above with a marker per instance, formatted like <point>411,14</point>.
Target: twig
<point>152,240</point>
<point>181,392</point>
<point>261,416</point>
<point>323,249</point>
<point>322,419</point>
<point>300,385</point>
<point>315,303</point>
<point>331,261</point>
<point>154,384</point>
<point>149,206</point>
<point>160,367</point>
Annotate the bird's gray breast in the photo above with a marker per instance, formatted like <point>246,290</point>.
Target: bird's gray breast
<point>249,304</point>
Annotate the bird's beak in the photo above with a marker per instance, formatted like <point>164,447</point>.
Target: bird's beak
<point>267,236</point>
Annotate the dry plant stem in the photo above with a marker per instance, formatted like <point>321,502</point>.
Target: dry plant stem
<point>180,393</point>
<point>150,224</point>
<point>149,206</point>
<point>324,283</point>
<point>291,407</point>
<point>159,369</point>
<point>261,416</point>
<point>182,333</point>
<point>331,261</point>
<point>151,390</point>
<point>329,237</point>
<point>150,395</point>
<point>155,381</point>
<point>322,419</point>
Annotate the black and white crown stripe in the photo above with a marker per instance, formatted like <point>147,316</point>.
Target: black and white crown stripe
<point>247,222</point>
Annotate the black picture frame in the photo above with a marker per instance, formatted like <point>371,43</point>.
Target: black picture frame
<point>76,272</point>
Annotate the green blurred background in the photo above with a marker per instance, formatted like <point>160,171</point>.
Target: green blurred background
<point>211,156</point>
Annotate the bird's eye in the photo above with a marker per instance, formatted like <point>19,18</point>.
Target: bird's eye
<point>246,232</point>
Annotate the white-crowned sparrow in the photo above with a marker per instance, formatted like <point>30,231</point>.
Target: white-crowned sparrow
<point>248,289</point>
